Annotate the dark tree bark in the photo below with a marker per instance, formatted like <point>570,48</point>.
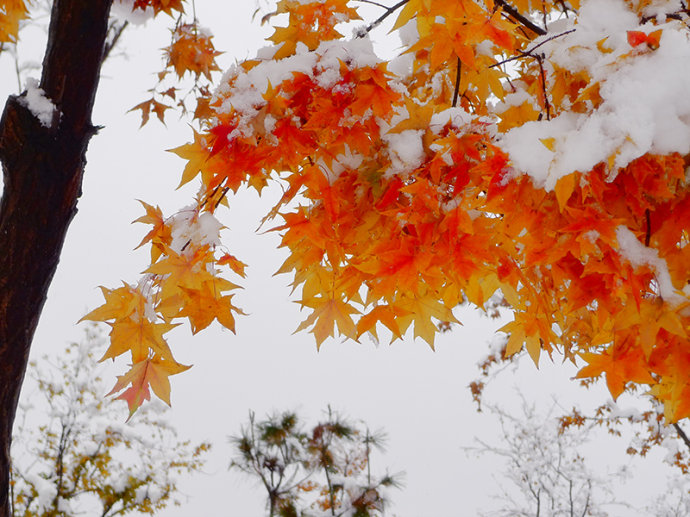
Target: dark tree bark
<point>42,170</point>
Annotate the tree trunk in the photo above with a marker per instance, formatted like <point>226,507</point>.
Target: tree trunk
<point>42,170</point>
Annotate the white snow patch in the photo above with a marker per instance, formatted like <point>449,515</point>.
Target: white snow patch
<point>640,255</point>
<point>457,117</point>
<point>191,230</point>
<point>405,150</point>
<point>40,106</point>
<point>243,91</point>
<point>45,489</point>
<point>645,107</point>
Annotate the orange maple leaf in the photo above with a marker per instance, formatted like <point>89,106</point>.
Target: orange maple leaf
<point>120,303</point>
<point>204,305</point>
<point>147,107</point>
<point>192,51</point>
<point>151,373</point>
<point>327,314</point>
<point>139,337</point>
<point>620,366</point>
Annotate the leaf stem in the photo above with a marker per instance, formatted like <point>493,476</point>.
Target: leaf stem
<point>457,83</point>
<point>377,21</point>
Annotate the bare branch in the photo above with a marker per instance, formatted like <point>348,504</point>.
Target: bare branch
<point>514,13</point>
<point>372,3</point>
<point>111,41</point>
<point>377,21</point>
<point>528,52</point>
<point>681,434</point>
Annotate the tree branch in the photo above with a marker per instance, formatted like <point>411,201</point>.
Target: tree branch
<point>528,52</point>
<point>380,19</point>
<point>542,74</point>
<point>515,14</point>
<point>42,168</point>
<point>682,434</point>
<point>110,44</point>
<point>373,3</point>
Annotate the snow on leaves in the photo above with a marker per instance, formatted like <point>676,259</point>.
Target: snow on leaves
<point>543,162</point>
<point>183,282</point>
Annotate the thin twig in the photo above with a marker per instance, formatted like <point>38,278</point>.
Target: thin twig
<point>521,18</point>
<point>564,8</point>
<point>547,105</point>
<point>16,69</point>
<point>457,83</point>
<point>372,3</point>
<point>528,52</point>
<point>377,21</point>
<point>220,199</point>
<point>111,44</point>
<point>682,434</point>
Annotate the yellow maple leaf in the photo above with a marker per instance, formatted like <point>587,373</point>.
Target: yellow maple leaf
<point>184,270</point>
<point>12,12</point>
<point>119,303</point>
<point>152,373</point>
<point>386,314</point>
<point>327,314</point>
<point>197,156</point>
<point>564,189</point>
<point>421,309</point>
<point>139,337</point>
<point>160,235</point>
<point>204,305</point>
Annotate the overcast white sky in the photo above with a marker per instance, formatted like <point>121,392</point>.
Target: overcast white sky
<point>419,397</point>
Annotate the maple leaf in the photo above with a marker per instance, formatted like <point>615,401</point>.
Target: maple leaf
<point>120,303</point>
<point>197,156</point>
<point>387,315</point>
<point>151,373</point>
<point>564,189</point>
<point>204,305</point>
<point>327,314</point>
<point>139,337</point>
<point>192,51</point>
<point>421,309</point>
<point>636,38</point>
<point>236,265</point>
<point>12,12</point>
<point>620,366</point>
<point>160,235</point>
<point>183,270</point>
<point>147,107</point>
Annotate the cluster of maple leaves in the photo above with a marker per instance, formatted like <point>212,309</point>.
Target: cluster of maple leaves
<point>377,239</point>
<point>400,202</point>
